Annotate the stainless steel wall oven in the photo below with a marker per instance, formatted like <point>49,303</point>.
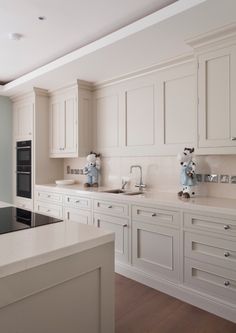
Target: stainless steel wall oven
<point>23,169</point>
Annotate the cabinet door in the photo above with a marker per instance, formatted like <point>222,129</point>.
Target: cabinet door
<point>23,120</point>
<point>217,101</point>
<point>120,227</point>
<point>78,215</point>
<point>155,249</point>
<point>57,129</point>
<point>70,125</point>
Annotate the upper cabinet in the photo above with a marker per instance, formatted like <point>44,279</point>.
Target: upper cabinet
<point>216,63</point>
<point>23,110</point>
<point>153,114</point>
<point>70,121</point>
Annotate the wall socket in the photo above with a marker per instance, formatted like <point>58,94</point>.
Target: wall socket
<point>211,178</point>
<point>233,179</point>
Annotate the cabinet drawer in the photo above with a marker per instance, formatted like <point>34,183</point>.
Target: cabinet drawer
<point>77,201</point>
<point>155,249</point>
<point>221,225</point>
<point>213,250</point>
<point>50,197</point>
<point>24,203</point>
<point>155,215</point>
<point>48,209</point>
<point>78,215</point>
<point>112,208</point>
<point>213,280</point>
<point>120,226</point>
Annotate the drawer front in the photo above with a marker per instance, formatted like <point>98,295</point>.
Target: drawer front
<point>112,208</point>
<point>155,249</point>
<point>155,215</point>
<point>78,215</point>
<point>121,228</point>
<point>77,201</point>
<point>48,209</point>
<point>28,205</point>
<point>213,250</point>
<point>209,279</point>
<point>48,197</point>
<point>223,226</point>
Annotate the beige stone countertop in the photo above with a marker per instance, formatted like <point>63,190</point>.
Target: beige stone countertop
<point>200,203</point>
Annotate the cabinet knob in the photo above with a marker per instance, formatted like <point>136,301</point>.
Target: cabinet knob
<point>227,254</point>
<point>154,214</point>
<point>233,138</point>
<point>226,227</point>
<point>226,283</point>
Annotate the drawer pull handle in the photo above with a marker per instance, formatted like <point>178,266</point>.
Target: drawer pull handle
<point>49,196</point>
<point>226,227</point>
<point>48,211</point>
<point>110,206</point>
<point>154,214</point>
<point>226,254</point>
<point>233,138</point>
<point>226,283</point>
<point>125,225</point>
<point>77,201</point>
<point>98,221</point>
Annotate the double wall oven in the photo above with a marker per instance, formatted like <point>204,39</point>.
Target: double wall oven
<point>24,169</point>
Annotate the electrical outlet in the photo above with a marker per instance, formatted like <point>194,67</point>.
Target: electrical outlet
<point>199,177</point>
<point>233,179</point>
<point>224,179</point>
<point>211,178</point>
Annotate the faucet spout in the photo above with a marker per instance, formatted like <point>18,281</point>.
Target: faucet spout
<point>140,185</point>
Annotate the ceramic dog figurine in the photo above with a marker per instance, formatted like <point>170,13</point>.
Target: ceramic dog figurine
<point>187,174</point>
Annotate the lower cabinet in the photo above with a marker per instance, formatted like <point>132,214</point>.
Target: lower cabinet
<point>155,249</point>
<point>120,226</point>
<point>48,209</point>
<point>80,215</point>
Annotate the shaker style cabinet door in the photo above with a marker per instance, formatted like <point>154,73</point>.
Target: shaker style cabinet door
<point>23,120</point>
<point>217,101</point>
<point>63,126</point>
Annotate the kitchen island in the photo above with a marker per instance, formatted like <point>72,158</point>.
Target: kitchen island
<point>57,278</point>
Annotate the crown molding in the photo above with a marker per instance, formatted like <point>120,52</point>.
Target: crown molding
<point>225,34</point>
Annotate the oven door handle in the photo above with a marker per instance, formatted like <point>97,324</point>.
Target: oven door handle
<point>26,147</point>
<point>23,172</point>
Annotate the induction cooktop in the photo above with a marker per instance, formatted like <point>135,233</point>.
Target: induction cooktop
<point>14,219</point>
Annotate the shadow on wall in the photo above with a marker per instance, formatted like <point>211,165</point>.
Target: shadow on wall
<point>6,126</point>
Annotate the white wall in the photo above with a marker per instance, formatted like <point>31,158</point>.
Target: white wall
<point>5,149</point>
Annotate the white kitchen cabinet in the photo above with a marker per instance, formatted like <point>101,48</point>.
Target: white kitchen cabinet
<point>48,209</point>
<point>78,215</point>
<point>177,111</point>
<point>155,249</point>
<point>23,119</point>
<point>120,226</point>
<point>70,121</point>
<point>217,101</point>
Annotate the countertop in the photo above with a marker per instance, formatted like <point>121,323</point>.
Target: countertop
<point>202,203</point>
<point>28,248</point>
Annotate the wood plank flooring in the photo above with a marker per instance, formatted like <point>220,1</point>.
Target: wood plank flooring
<point>140,309</point>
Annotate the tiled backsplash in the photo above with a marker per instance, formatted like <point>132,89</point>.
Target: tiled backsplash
<point>162,173</point>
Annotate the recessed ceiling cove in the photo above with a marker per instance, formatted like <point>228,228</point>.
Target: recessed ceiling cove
<point>50,29</point>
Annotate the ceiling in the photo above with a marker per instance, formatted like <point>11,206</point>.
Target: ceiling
<point>68,26</point>
<point>143,43</point>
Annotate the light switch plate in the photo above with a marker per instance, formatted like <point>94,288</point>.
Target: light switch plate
<point>224,179</point>
<point>233,179</point>
<point>211,178</point>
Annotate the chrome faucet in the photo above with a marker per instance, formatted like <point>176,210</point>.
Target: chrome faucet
<point>141,185</point>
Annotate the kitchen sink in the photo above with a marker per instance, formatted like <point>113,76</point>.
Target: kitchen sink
<point>119,191</point>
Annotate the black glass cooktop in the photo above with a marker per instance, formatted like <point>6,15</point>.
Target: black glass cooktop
<point>14,219</point>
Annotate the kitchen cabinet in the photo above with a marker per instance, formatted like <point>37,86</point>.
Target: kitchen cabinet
<point>70,121</point>
<point>217,101</point>
<point>120,226</point>
<point>155,247</point>
<point>80,215</point>
<point>23,119</point>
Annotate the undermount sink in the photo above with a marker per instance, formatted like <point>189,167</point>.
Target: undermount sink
<point>119,191</point>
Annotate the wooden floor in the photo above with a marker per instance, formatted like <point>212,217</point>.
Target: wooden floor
<point>140,309</point>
